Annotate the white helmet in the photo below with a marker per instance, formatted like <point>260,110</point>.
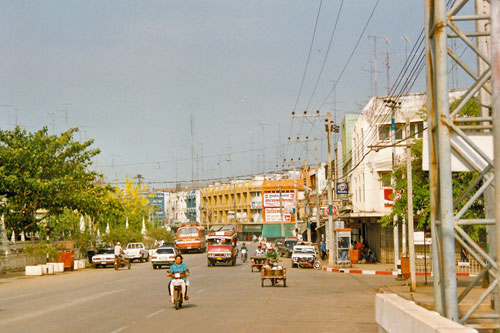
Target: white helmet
<point>118,243</point>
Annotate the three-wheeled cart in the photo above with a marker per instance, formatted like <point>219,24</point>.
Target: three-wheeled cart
<point>274,275</point>
<point>257,261</point>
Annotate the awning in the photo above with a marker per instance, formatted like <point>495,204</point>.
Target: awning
<point>252,228</point>
<point>274,230</point>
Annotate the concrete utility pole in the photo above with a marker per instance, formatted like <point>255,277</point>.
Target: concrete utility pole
<point>318,166</point>
<point>329,130</point>
<point>307,209</point>
<point>409,180</point>
<point>393,105</point>
<point>306,195</point>
<point>482,8</point>
<point>329,127</point>
<point>281,212</point>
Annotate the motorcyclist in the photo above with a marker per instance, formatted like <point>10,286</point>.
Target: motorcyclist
<point>118,250</point>
<point>244,247</point>
<point>259,251</point>
<point>272,257</point>
<point>178,267</point>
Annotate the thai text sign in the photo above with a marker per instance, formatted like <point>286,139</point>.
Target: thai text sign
<point>273,199</point>
<point>274,215</point>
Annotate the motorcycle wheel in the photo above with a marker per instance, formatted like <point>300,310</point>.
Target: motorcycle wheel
<point>317,265</point>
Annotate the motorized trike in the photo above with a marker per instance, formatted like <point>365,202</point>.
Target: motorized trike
<point>121,262</point>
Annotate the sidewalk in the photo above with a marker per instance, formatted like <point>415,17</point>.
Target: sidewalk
<point>368,269</point>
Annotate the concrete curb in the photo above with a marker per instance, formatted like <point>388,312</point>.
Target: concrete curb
<point>374,272</point>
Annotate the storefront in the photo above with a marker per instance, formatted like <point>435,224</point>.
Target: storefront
<point>249,230</point>
<point>273,230</point>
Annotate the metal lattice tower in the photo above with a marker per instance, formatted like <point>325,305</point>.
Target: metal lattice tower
<point>453,134</point>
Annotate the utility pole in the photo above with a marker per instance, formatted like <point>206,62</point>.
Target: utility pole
<point>329,127</point>
<point>281,212</point>
<point>234,204</point>
<point>306,196</point>
<point>307,189</point>
<point>482,8</point>
<point>393,105</point>
<point>318,230</point>
<point>409,180</point>
<point>192,153</point>
<point>139,177</point>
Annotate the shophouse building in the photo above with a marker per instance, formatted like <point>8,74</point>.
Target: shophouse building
<point>193,202</point>
<point>253,205</point>
<point>368,167</point>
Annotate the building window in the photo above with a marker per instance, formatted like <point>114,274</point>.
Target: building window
<point>384,133</point>
<point>385,179</point>
<point>417,130</point>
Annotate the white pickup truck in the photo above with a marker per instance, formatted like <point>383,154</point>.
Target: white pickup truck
<point>137,251</point>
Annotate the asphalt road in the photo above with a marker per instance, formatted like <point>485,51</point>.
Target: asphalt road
<point>222,299</point>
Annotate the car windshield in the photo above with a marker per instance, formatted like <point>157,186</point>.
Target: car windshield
<point>219,241</point>
<point>308,251</point>
<point>165,251</point>
<point>291,244</point>
<point>106,251</point>
<point>188,232</point>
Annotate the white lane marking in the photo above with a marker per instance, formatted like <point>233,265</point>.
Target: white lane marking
<point>20,296</point>
<point>59,306</point>
<point>200,291</point>
<point>154,313</point>
<point>198,266</point>
<point>120,329</point>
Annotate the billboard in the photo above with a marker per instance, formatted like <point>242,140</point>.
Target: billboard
<point>273,199</point>
<point>274,215</point>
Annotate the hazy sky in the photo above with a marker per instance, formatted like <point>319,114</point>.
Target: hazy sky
<point>131,73</point>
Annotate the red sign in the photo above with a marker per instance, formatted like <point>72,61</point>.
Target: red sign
<point>388,201</point>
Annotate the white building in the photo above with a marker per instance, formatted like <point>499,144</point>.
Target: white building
<point>369,179</point>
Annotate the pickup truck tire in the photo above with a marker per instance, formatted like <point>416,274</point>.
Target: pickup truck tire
<point>142,259</point>
<point>209,263</point>
<point>147,258</point>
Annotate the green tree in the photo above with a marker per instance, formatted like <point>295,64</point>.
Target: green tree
<point>41,175</point>
<point>421,190</point>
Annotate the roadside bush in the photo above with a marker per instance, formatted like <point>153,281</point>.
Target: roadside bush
<point>122,235</point>
<point>45,249</point>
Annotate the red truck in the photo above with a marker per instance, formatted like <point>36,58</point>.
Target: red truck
<point>222,246</point>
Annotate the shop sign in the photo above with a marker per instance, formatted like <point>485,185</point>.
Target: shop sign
<point>274,215</point>
<point>342,188</point>
<point>273,199</point>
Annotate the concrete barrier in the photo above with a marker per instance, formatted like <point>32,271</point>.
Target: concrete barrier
<point>33,270</point>
<point>82,263</point>
<point>45,269</point>
<point>395,314</point>
<point>58,266</point>
<point>50,269</point>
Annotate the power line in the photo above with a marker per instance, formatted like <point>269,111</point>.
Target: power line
<point>308,55</point>
<point>351,55</point>
<point>326,55</point>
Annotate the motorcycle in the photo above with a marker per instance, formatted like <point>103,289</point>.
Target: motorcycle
<point>122,262</point>
<point>178,284</point>
<point>243,255</point>
<point>309,263</point>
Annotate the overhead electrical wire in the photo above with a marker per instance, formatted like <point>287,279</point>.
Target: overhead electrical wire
<point>351,55</point>
<point>326,54</point>
<point>305,72</point>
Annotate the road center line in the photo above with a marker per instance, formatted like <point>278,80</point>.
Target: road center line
<point>200,291</point>
<point>120,329</point>
<point>154,313</point>
<point>59,306</point>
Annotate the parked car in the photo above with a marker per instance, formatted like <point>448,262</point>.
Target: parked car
<point>286,249</point>
<point>303,252</point>
<point>137,251</point>
<point>104,257</point>
<point>163,256</point>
